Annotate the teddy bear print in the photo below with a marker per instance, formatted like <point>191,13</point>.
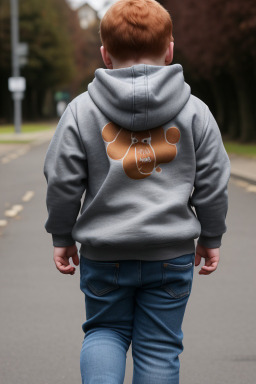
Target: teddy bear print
<point>142,151</point>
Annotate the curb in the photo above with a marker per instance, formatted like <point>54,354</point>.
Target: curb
<point>243,168</point>
<point>27,136</point>
<point>242,178</point>
<point>10,143</point>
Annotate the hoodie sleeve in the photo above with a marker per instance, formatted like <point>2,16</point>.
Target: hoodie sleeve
<point>65,169</point>
<point>210,195</point>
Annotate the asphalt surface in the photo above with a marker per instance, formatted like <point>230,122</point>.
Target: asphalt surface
<point>41,311</point>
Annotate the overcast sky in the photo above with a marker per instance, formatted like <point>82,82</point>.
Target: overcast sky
<point>96,4</point>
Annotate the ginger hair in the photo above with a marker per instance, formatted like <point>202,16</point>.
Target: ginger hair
<point>137,29</point>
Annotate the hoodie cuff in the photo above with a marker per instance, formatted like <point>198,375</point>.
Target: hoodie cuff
<point>210,242</point>
<point>64,240</point>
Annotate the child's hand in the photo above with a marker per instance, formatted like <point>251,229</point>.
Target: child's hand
<point>61,257</point>
<point>212,257</point>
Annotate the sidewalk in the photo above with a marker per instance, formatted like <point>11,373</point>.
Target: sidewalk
<point>243,168</point>
<point>11,142</point>
<point>43,135</point>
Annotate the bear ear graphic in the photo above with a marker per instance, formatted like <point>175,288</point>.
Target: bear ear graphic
<point>119,139</point>
<point>173,135</point>
<point>110,131</point>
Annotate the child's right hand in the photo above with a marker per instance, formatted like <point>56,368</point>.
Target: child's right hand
<point>61,256</point>
<point>212,257</point>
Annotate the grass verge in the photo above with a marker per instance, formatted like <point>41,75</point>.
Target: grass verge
<point>26,128</point>
<point>15,141</point>
<point>236,148</point>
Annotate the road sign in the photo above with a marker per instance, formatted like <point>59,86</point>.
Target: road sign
<point>17,84</point>
<point>22,49</point>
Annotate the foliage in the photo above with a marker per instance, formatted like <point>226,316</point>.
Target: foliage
<point>214,34</point>
<point>86,53</point>
<point>50,48</point>
<point>216,43</point>
<point>44,26</point>
<point>62,56</point>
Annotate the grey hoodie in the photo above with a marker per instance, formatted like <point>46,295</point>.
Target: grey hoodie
<point>146,152</point>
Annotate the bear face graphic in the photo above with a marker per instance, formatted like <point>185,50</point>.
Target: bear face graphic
<point>141,152</point>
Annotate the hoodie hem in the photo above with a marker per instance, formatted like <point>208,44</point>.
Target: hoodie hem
<point>148,254</point>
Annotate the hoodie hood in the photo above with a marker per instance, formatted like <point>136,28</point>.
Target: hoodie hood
<point>140,97</point>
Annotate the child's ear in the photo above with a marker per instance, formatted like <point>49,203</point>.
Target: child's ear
<point>106,57</point>
<point>169,53</point>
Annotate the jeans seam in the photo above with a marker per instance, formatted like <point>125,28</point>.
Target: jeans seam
<point>101,264</point>
<point>101,292</point>
<point>175,295</point>
<point>178,267</point>
<point>116,274</point>
<point>140,281</point>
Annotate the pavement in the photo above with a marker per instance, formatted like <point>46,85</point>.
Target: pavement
<point>13,145</point>
<point>242,168</point>
<point>41,136</point>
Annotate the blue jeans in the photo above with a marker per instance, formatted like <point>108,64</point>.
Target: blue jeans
<point>142,302</point>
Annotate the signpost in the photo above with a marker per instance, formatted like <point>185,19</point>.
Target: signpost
<point>22,52</point>
<point>17,84</point>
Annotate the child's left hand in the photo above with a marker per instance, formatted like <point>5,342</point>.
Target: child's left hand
<point>211,256</point>
<point>61,257</point>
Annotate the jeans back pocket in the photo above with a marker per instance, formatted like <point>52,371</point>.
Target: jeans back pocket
<point>101,277</point>
<point>178,275</point>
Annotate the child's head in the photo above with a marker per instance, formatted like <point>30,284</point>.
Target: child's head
<point>133,30</point>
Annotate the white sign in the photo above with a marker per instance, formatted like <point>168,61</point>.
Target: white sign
<point>17,84</point>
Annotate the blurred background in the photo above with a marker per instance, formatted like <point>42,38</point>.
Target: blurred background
<point>215,41</point>
<point>56,54</point>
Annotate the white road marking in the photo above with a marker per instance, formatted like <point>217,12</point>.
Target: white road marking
<point>13,155</point>
<point>251,188</point>
<point>22,151</point>
<point>17,207</point>
<point>28,196</point>
<point>245,184</point>
<point>241,183</point>
<point>5,160</point>
<point>14,210</point>
<point>10,213</point>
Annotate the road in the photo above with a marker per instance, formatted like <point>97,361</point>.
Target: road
<point>41,311</point>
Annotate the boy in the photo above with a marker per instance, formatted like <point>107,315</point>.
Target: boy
<point>146,151</point>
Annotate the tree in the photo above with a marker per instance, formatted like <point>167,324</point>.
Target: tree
<point>44,26</point>
<point>86,53</point>
<point>216,43</point>
<point>50,63</point>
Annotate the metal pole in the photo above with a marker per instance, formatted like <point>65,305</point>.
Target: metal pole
<point>17,96</point>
